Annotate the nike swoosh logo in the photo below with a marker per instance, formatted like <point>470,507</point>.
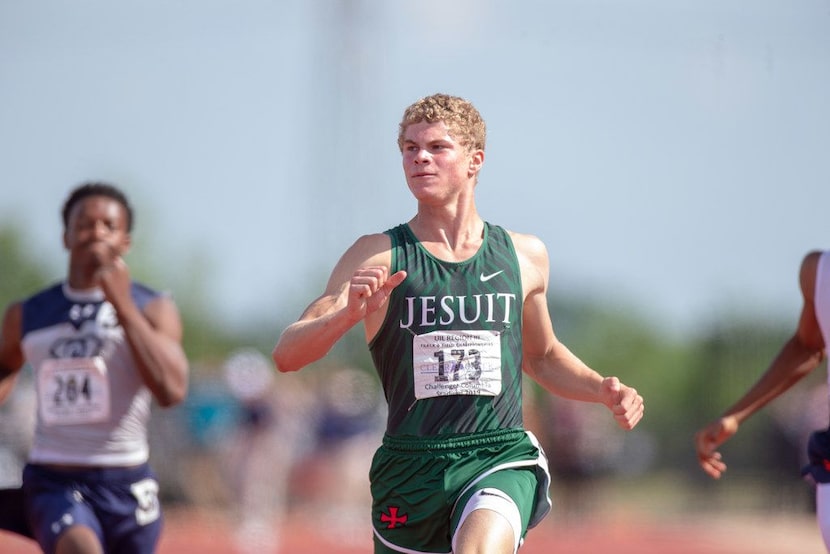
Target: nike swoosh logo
<point>488,493</point>
<point>484,278</point>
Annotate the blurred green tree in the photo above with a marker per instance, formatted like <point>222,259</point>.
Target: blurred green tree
<point>20,272</point>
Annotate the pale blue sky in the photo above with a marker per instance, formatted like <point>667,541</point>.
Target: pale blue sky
<point>672,155</point>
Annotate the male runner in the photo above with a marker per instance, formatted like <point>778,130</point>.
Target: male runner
<point>454,308</point>
<point>102,347</point>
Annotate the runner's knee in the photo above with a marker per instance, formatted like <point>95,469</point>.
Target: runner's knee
<point>500,507</point>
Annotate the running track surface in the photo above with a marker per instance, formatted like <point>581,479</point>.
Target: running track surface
<point>192,532</point>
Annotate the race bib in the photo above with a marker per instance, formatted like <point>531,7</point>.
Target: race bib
<point>73,391</point>
<point>457,363</point>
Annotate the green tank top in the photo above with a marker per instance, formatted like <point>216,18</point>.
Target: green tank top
<point>449,353</point>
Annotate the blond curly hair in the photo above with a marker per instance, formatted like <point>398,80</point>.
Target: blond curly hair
<point>465,123</point>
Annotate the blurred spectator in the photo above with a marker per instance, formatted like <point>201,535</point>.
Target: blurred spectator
<point>17,422</point>
<point>259,454</point>
<point>350,414</point>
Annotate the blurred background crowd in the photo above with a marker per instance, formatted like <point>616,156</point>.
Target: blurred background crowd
<point>255,448</point>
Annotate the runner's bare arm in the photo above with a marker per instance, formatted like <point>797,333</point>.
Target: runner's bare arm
<point>11,353</point>
<point>800,355</point>
<point>155,337</point>
<point>548,361</point>
<point>154,334</point>
<point>357,290</point>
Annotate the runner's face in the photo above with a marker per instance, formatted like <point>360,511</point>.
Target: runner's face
<point>97,231</point>
<point>435,164</point>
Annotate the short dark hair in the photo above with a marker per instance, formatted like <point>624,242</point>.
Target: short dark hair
<point>97,188</point>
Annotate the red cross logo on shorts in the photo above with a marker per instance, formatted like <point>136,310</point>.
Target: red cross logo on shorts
<point>392,518</point>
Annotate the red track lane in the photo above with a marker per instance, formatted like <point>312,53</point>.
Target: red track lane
<point>193,532</point>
